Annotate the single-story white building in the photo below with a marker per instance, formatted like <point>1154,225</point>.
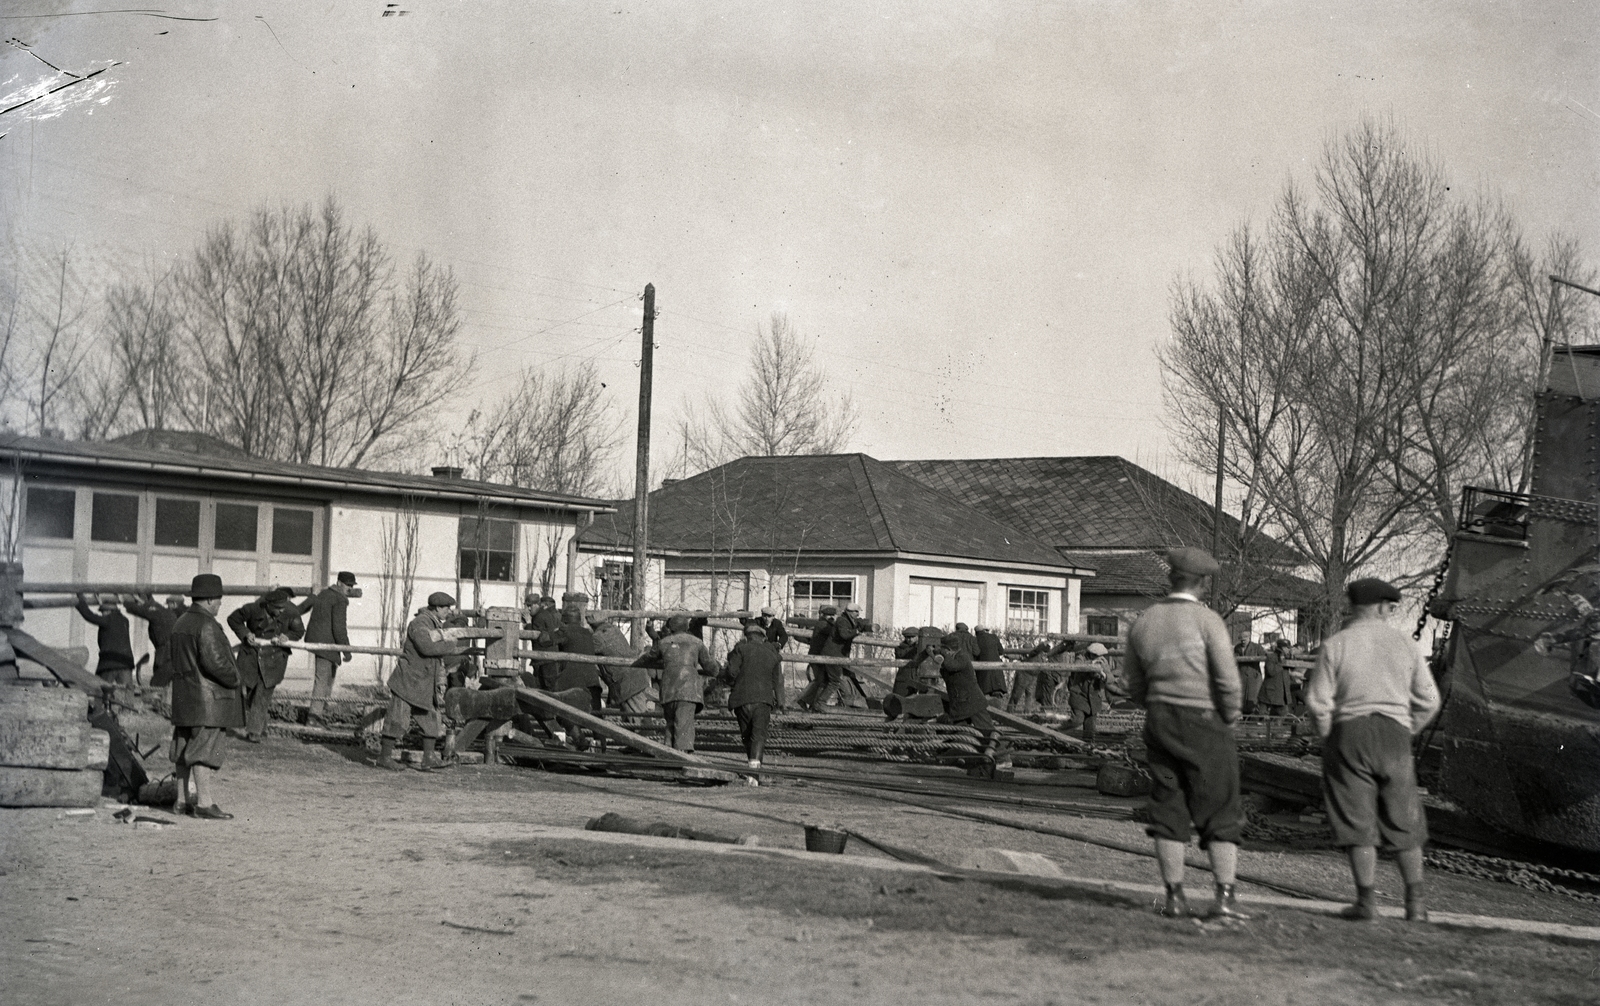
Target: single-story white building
<point>160,507</point>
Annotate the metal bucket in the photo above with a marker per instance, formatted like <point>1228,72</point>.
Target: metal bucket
<point>822,838</point>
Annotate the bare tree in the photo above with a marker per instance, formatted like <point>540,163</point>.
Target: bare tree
<point>554,432</point>
<point>397,577</point>
<point>45,342</point>
<point>782,408</point>
<point>1360,358</point>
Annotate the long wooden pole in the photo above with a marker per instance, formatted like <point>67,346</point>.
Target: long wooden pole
<point>641,468</point>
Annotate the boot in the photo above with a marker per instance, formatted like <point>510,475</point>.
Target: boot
<point>1226,906</point>
<point>1416,909</point>
<point>1366,907</point>
<point>386,756</point>
<point>1177,906</point>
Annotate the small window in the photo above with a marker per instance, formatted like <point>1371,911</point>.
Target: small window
<point>1101,625</point>
<point>115,517</point>
<point>811,595</point>
<point>1027,611</point>
<point>291,531</point>
<point>486,549</point>
<point>50,513</point>
<point>178,523</point>
<point>236,527</point>
<point>616,585</point>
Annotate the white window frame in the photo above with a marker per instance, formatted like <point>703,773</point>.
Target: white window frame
<point>855,592</point>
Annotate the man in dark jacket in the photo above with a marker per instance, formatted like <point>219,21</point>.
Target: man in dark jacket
<point>1273,699</point>
<point>1249,655</point>
<point>964,640</point>
<point>683,662</point>
<point>769,621</point>
<point>428,641</point>
<point>116,647</point>
<point>905,678</point>
<point>992,680</point>
<point>629,687</point>
<point>160,618</point>
<point>1025,682</point>
<point>1086,691</point>
<point>328,608</point>
<point>964,700</point>
<point>265,627</point>
<point>205,697</point>
<point>546,621</point>
<point>756,674</point>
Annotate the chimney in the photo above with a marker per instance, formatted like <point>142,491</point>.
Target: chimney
<point>447,472</point>
<point>668,482</point>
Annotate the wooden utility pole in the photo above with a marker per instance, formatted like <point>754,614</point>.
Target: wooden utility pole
<point>1216,516</point>
<point>641,471</point>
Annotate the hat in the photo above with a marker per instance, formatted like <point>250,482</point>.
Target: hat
<point>910,630</point>
<point>949,640</point>
<point>853,606</point>
<point>347,578</point>
<point>205,586</point>
<point>1194,561</point>
<point>548,599</point>
<point>1098,649</point>
<point>574,595</point>
<point>595,618</point>
<point>1372,590</point>
<point>961,626</point>
<point>769,612</point>
<point>175,597</point>
<point>532,597</point>
<point>278,594</point>
<point>756,628</point>
<point>828,609</point>
<point>678,623</point>
<point>439,599</point>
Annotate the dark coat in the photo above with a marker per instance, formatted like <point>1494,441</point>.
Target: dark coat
<point>116,647</point>
<point>991,680</point>
<point>846,627</point>
<point>623,683</point>
<point>264,666</point>
<point>575,637</point>
<point>965,641</point>
<point>685,663</point>
<point>777,635</point>
<point>205,679</point>
<point>905,677</point>
<point>963,697</point>
<point>547,622</point>
<point>756,674</point>
<point>422,659</point>
<point>328,608</point>
<point>1275,683</point>
<point>161,621</point>
<point>822,642</point>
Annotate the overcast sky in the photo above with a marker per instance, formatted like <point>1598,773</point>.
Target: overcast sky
<point>975,210</point>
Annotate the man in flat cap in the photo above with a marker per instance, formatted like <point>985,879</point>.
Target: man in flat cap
<point>1086,691</point>
<point>429,640</point>
<point>1369,694</point>
<point>991,680</point>
<point>205,697</point>
<point>826,679</point>
<point>160,618</point>
<point>684,663</point>
<point>545,620</point>
<point>112,639</point>
<point>756,674</point>
<point>329,608</point>
<point>769,621</point>
<point>265,626</point>
<point>1180,667</point>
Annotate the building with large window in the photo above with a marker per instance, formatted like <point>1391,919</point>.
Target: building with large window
<point>798,533</point>
<point>160,510</point>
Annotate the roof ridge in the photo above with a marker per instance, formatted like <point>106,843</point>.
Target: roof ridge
<point>877,504</point>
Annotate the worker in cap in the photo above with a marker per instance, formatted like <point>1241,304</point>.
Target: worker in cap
<point>1368,695</point>
<point>963,640</point>
<point>770,624</point>
<point>544,619</point>
<point>429,640</point>
<point>159,622</point>
<point>681,664</point>
<point>830,637</point>
<point>755,675</point>
<point>205,698</point>
<point>1086,691</point>
<point>265,627</point>
<point>992,680</point>
<point>328,624</point>
<point>1179,665</point>
<point>905,677</point>
<point>112,640</point>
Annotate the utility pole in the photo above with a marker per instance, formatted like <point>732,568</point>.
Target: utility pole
<point>641,471</point>
<point>1216,515</point>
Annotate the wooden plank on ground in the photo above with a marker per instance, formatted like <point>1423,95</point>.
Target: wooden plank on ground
<point>59,664</point>
<point>611,731</point>
<point>1013,721</point>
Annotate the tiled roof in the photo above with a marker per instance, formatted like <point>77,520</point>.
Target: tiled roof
<point>126,457</point>
<point>1142,571</point>
<point>1081,502</point>
<point>818,503</point>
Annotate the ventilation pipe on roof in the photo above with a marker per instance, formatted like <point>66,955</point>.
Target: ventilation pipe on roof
<point>447,471</point>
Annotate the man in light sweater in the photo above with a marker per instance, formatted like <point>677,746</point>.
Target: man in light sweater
<point>1369,694</point>
<point>1179,666</point>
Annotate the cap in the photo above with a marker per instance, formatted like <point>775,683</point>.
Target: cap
<point>205,586</point>
<point>595,618</point>
<point>853,606</point>
<point>1372,590</point>
<point>755,629</point>
<point>175,597</point>
<point>548,599</point>
<point>769,612</point>
<point>828,609</point>
<point>1194,561</point>
<point>1098,649</point>
<point>574,595</point>
<point>910,630</point>
<point>347,578</point>
<point>961,626</point>
<point>439,599</point>
<point>532,597</point>
<point>678,623</point>
<point>278,594</point>
<point>949,640</point>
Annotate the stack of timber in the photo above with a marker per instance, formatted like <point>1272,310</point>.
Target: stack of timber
<point>49,754</point>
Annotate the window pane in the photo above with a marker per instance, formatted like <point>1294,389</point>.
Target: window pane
<point>503,535</point>
<point>115,518</point>
<point>178,523</point>
<point>500,564</point>
<point>1102,625</point>
<point>236,527</point>
<point>291,531</point>
<point>50,513</point>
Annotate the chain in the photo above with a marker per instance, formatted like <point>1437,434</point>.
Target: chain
<point>1433,592</point>
<point>1531,876</point>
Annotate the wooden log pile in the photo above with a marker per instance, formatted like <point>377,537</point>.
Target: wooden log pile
<point>49,754</point>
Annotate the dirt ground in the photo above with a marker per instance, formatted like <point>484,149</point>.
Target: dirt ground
<point>337,883</point>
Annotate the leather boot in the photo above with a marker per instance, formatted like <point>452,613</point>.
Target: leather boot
<point>1226,906</point>
<point>1416,908</point>
<point>1177,906</point>
<point>1366,907</point>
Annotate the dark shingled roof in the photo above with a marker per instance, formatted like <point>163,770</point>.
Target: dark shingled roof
<point>818,504</point>
<point>1141,571</point>
<point>240,467</point>
<point>1082,502</point>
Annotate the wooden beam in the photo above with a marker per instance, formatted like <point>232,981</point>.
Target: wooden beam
<point>99,587</point>
<point>1014,721</point>
<point>545,701</point>
<point>62,666</point>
